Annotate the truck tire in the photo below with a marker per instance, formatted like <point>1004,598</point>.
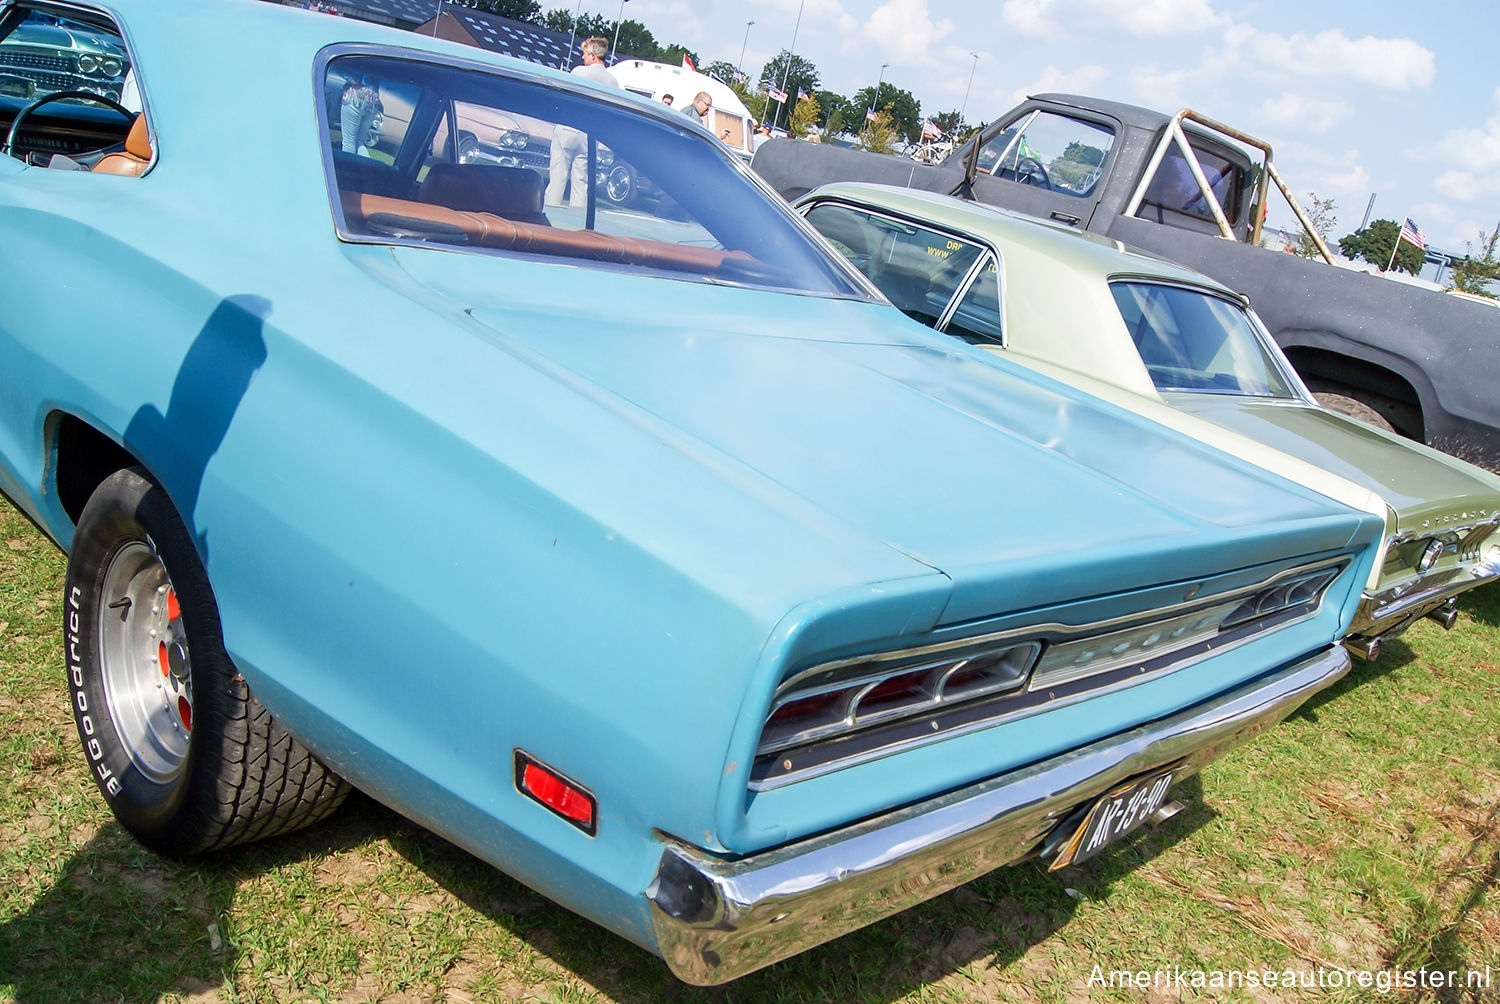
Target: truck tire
<point>187,758</point>
<point>1354,408</point>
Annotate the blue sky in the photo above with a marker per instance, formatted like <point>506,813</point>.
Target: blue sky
<point>1398,100</point>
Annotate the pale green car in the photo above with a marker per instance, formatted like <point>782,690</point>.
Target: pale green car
<point>1172,344</point>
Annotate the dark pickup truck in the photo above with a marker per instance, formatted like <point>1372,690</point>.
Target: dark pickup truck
<point>1421,362</point>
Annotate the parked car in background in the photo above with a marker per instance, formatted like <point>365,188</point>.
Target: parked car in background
<point>1145,333</point>
<point>1416,360</point>
<point>654,559</point>
<point>51,52</point>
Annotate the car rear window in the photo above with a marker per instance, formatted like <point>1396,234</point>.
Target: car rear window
<point>1193,341</point>
<point>467,156</point>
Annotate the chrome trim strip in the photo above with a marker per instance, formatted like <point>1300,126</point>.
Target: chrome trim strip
<point>716,919</point>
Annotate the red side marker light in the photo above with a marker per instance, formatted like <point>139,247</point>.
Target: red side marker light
<point>569,800</point>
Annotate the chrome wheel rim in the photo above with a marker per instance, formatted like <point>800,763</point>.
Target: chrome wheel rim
<point>147,674</point>
<point>618,185</point>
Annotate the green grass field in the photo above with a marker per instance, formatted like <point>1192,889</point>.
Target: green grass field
<point>1363,834</point>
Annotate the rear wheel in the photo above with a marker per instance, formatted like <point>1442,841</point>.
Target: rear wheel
<point>187,758</point>
<point>1354,408</point>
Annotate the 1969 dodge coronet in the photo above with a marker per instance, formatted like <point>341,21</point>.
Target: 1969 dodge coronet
<point>1168,342</point>
<point>651,556</point>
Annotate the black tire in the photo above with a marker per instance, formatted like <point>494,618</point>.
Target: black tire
<point>1353,408</point>
<point>187,758</point>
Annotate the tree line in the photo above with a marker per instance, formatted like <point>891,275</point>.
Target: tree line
<point>882,118</point>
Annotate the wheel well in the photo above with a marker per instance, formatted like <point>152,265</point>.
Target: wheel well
<point>85,457</point>
<point>1384,390</point>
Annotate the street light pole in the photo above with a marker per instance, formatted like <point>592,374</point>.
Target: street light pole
<point>741,64</point>
<point>614,56</point>
<point>963,107</point>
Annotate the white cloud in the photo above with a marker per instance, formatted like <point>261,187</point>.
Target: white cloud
<point>1396,64</point>
<point>1164,90</point>
<point>1303,114</point>
<point>1475,151</point>
<point>1467,186</point>
<point>1029,18</point>
<point>905,30</point>
<point>1079,80</point>
<point>1138,18</point>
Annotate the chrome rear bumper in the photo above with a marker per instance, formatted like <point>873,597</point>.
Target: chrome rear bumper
<point>718,919</point>
<point>1384,616</point>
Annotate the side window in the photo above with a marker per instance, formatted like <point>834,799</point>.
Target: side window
<point>1174,189</point>
<point>918,269</point>
<point>46,58</point>
<point>1049,151</point>
<point>977,318</point>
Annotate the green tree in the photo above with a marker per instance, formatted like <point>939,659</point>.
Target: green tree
<point>558,19</point>
<point>636,41</point>
<point>835,113</point>
<point>879,136</point>
<point>1473,275</point>
<point>721,68</point>
<point>804,116</point>
<point>789,72</point>
<point>904,109</point>
<point>517,10</point>
<point>1323,214</point>
<point>1374,244</point>
<point>951,123</point>
<point>673,54</point>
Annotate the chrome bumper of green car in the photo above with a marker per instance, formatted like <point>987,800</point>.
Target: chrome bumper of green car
<point>717,919</point>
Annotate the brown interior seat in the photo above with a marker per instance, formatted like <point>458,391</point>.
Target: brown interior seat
<point>512,192</point>
<point>136,156</point>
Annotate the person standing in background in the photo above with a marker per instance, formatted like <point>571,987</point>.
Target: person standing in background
<point>567,167</point>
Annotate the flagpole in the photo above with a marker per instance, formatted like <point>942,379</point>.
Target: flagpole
<point>876,96</point>
<point>1396,247</point>
<point>786,67</point>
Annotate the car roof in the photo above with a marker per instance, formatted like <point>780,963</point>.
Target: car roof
<point>1129,115</point>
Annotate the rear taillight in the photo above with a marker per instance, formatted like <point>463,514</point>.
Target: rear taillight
<point>860,693</point>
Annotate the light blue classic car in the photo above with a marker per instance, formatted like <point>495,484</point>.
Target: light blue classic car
<point>651,556</point>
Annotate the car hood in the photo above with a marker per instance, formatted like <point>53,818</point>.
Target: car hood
<point>1422,486</point>
<point>958,461</point>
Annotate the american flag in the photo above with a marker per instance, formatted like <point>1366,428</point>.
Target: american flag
<point>870,115</point>
<point>777,94</point>
<point>1411,232</point>
<point>801,94</point>
<point>930,130</point>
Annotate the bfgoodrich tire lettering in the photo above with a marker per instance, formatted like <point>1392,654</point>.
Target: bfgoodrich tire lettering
<point>188,759</point>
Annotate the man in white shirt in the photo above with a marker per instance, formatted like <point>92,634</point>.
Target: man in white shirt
<point>569,164</point>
